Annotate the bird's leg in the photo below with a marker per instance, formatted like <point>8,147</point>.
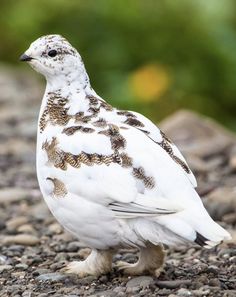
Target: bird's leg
<point>150,261</point>
<point>97,263</point>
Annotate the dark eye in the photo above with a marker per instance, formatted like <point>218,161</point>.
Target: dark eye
<point>52,53</point>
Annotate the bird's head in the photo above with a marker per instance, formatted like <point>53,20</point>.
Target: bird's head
<point>54,57</point>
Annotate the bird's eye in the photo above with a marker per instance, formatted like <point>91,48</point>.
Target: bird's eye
<point>52,53</point>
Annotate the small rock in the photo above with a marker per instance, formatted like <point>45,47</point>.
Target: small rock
<point>140,281</point>
<point>27,294</point>
<point>40,271</point>
<point>10,195</point>
<point>53,277</point>
<point>229,218</point>
<point>24,239</point>
<point>3,259</point>
<point>212,269</point>
<point>13,223</point>
<point>184,292</point>
<point>5,268</point>
<point>84,253</point>
<point>40,211</point>
<point>87,280</point>
<point>22,266</point>
<point>55,228</point>
<point>61,257</point>
<point>201,292</point>
<point>73,246</point>
<point>172,284</point>
<point>26,228</point>
<point>221,202</point>
<point>107,293</point>
<point>196,135</point>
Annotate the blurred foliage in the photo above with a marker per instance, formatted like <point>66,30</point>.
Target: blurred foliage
<point>152,56</point>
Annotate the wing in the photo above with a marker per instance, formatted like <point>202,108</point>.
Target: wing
<point>151,131</point>
<point>138,179</point>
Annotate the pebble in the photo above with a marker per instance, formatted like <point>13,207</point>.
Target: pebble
<point>22,266</point>
<point>40,211</point>
<point>3,259</point>
<point>26,228</point>
<point>172,284</point>
<point>73,246</point>
<point>55,228</point>
<point>184,292</point>
<point>40,271</point>
<point>229,218</point>
<point>5,268</point>
<point>87,280</point>
<point>13,223</point>
<point>140,281</point>
<point>107,293</point>
<point>24,239</point>
<point>10,195</point>
<point>84,253</point>
<point>52,277</point>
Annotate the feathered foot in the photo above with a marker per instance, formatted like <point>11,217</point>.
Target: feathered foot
<point>150,261</point>
<point>97,263</point>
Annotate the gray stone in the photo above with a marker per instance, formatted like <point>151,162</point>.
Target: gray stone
<point>41,271</point>
<point>22,266</point>
<point>221,202</point>
<point>172,284</point>
<point>140,281</point>
<point>184,292</point>
<point>10,195</point>
<point>3,259</point>
<point>197,135</point>
<point>73,246</point>
<point>108,293</point>
<point>87,280</point>
<point>52,277</point>
<point>24,239</point>
<point>5,268</point>
<point>13,223</point>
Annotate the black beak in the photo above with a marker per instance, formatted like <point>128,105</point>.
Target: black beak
<point>26,58</point>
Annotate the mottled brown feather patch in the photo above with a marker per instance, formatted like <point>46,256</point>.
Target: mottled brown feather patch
<point>55,111</point>
<point>167,147</point>
<point>80,117</point>
<point>182,164</point>
<point>140,174</point>
<point>71,130</point>
<point>116,139</point>
<point>56,156</point>
<point>126,113</point>
<point>100,123</point>
<point>61,159</point>
<point>133,122</point>
<point>126,161</point>
<point>59,188</point>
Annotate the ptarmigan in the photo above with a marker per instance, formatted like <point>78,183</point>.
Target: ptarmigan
<point>110,176</point>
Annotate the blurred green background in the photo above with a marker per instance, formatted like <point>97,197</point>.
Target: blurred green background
<point>154,56</point>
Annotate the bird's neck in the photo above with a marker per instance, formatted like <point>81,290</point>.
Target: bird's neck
<point>67,101</point>
<point>74,80</point>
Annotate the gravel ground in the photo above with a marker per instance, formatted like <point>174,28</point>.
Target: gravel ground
<point>33,247</point>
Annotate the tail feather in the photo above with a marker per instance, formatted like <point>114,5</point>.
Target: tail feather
<point>201,230</point>
<point>200,240</point>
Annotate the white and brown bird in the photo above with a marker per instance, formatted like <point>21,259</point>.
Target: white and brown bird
<point>110,176</point>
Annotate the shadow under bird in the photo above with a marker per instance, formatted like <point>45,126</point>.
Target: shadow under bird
<point>110,176</point>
